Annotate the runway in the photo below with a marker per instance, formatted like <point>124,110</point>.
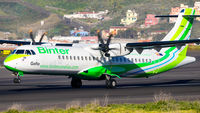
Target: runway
<point>43,92</point>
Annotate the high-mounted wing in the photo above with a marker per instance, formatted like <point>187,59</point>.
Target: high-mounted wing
<point>15,42</point>
<point>29,43</point>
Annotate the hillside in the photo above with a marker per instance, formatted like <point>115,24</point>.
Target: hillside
<point>11,16</point>
<point>117,9</point>
<point>16,13</point>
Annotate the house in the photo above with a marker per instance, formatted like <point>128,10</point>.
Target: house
<point>105,34</point>
<point>151,20</point>
<point>83,15</point>
<point>89,39</point>
<point>116,29</point>
<point>175,11</point>
<point>197,10</point>
<point>131,17</point>
<point>79,32</point>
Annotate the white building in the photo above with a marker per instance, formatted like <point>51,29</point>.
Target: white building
<point>131,17</point>
<point>84,15</point>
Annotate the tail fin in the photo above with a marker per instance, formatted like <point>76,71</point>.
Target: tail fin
<point>183,26</point>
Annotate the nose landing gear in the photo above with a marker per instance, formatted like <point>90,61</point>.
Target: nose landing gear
<point>16,80</point>
<point>18,74</point>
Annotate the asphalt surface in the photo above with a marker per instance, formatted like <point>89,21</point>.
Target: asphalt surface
<point>44,92</point>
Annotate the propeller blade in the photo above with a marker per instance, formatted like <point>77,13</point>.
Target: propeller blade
<point>42,37</point>
<point>100,38</point>
<point>31,36</point>
<point>109,40</point>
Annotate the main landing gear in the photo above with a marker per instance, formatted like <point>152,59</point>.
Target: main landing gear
<point>17,79</point>
<point>110,82</point>
<point>76,82</point>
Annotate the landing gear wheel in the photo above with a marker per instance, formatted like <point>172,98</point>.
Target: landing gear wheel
<point>16,80</point>
<point>76,83</point>
<point>111,84</point>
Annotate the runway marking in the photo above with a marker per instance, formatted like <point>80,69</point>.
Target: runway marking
<point>169,85</point>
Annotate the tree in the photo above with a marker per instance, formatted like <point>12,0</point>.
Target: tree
<point>159,37</point>
<point>129,33</point>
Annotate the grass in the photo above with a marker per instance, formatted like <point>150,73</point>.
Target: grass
<point>153,107</point>
<point>163,103</point>
<point>194,47</point>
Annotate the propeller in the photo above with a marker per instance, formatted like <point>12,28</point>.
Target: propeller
<point>42,37</point>
<point>104,46</point>
<point>31,36</point>
<point>33,40</point>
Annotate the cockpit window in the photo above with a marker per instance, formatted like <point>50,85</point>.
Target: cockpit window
<point>20,52</point>
<point>13,52</point>
<point>33,53</point>
<point>28,52</point>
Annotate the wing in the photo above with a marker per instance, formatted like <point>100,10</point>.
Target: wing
<point>15,42</point>
<point>159,44</point>
<point>28,43</point>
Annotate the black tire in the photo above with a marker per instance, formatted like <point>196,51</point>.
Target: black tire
<point>16,80</point>
<point>76,83</point>
<point>111,84</point>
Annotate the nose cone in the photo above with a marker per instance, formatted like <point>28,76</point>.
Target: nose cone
<point>9,63</point>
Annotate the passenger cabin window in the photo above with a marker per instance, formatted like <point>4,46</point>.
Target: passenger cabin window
<point>124,59</point>
<point>150,60</point>
<point>120,59</point>
<point>20,52</point>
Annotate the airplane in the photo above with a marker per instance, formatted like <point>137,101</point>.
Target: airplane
<point>105,60</point>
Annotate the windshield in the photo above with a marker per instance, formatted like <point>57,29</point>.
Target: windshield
<point>33,53</point>
<point>19,52</point>
<point>28,52</point>
<point>13,52</point>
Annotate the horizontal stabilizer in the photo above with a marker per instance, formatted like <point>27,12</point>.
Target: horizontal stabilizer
<point>175,16</point>
<point>162,16</point>
<point>161,44</point>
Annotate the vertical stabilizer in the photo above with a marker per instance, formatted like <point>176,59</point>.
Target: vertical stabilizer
<point>182,27</point>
